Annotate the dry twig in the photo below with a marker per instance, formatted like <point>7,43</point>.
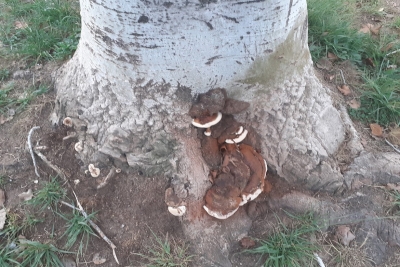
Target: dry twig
<point>111,174</point>
<point>390,144</point>
<point>55,168</point>
<point>31,150</point>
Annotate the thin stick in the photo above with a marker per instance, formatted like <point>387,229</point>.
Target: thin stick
<point>98,230</point>
<point>319,260</point>
<point>341,74</point>
<point>31,150</point>
<point>390,144</point>
<point>55,168</point>
<point>383,60</point>
<point>111,174</point>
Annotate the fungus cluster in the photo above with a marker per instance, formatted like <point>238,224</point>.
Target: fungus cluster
<point>232,151</point>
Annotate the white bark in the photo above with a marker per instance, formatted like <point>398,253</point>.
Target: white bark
<point>139,64</point>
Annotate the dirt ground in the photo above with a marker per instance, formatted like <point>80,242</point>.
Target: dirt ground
<point>130,206</point>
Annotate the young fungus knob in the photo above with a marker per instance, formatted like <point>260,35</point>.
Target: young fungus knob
<point>78,146</point>
<point>177,211</point>
<point>68,122</point>
<point>94,172</point>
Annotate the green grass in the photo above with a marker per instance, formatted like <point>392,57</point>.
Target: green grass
<point>7,258</point>
<point>78,227</point>
<point>4,74</point>
<point>36,254</point>
<point>47,29</point>
<point>289,247</point>
<point>380,102</point>
<point>10,101</point>
<point>49,196</point>
<point>166,252</point>
<point>331,29</point>
<point>396,23</point>
<point>17,224</point>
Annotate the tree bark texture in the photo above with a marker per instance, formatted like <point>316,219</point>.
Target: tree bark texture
<point>140,64</point>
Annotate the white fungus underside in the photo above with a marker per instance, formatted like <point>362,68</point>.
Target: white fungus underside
<point>219,215</point>
<point>178,211</point>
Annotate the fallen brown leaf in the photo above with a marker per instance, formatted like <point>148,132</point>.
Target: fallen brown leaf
<point>324,63</point>
<point>20,24</point>
<point>369,62</point>
<point>344,235</point>
<point>387,47</point>
<point>394,136</point>
<point>344,89</point>
<point>370,28</point>
<point>376,129</point>
<point>354,104</point>
<point>247,242</point>
<point>391,186</point>
<point>332,56</point>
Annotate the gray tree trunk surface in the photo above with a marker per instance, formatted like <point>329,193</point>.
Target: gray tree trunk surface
<point>139,66</point>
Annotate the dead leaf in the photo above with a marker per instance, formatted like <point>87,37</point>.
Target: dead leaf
<point>324,63</point>
<point>394,187</point>
<point>344,89</point>
<point>387,47</point>
<point>366,28</point>
<point>332,56</point>
<point>354,104</point>
<point>394,136</point>
<point>97,259</point>
<point>247,242</point>
<point>26,195</point>
<point>3,216</point>
<point>2,197</point>
<point>3,119</point>
<point>376,129</point>
<point>370,28</point>
<point>375,30</point>
<point>344,235</point>
<point>369,62</point>
<point>20,24</point>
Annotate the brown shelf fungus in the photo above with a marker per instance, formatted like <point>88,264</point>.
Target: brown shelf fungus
<point>258,168</point>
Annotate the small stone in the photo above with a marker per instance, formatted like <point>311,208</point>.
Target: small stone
<point>26,195</point>
<point>97,259</point>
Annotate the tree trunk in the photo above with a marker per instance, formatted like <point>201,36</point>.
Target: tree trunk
<point>139,65</point>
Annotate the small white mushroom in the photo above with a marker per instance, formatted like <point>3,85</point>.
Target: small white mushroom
<point>118,170</point>
<point>207,132</point>
<point>68,122</point>
<point>178,211</point>
<point>94,172</point>
<point>238,139</point>
<point>77,181</point>
<point>79,146</point>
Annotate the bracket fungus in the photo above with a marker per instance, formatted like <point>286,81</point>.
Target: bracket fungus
<point>207,122</point>
<point>231,150</point>
<point>94,172</point>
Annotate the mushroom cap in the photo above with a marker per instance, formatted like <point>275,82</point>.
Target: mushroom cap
<point>219,215</point>
<point>210,152</point>
<point>78,146</point>
<point>208,121</point>
<point>94,172</point>
<point>67,121</point>
<point>177,211</point>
